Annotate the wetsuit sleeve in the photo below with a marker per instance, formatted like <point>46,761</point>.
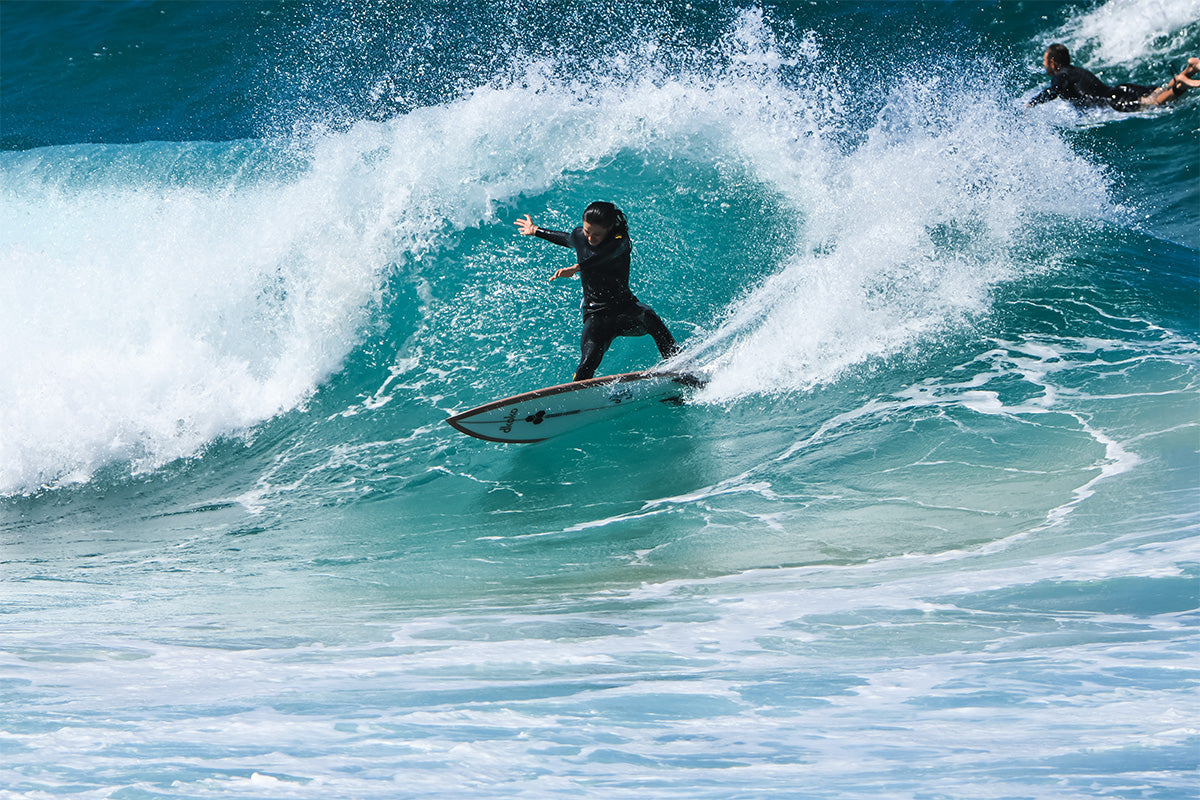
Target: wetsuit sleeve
<point>557,237</point>
<point>1051,92</point>
<point>1045,96</point>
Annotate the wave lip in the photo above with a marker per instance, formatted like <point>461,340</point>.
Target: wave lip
<point>159,299</point>
<point>1125,32</point>
<point>903,236</point>
<point>166,295</point>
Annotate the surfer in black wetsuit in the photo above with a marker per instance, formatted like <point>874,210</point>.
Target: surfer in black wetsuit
<point>610,309</point>
<point>1084,90</point>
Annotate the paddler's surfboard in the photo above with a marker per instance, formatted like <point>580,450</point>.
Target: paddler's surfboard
<point>545,413</point>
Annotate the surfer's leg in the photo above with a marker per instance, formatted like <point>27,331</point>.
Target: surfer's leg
<point>658,329</point>
<point>1176,87</point>
<point>1130,97</point>
<point>597,336</point>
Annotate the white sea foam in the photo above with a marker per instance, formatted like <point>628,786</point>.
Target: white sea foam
<point>904,235</point>
<point>158,296</point>
<point>165,295</point>
<point>1126,33</point>
<point>147,318</point>
<point>828,677</point>
<point>353,651</point>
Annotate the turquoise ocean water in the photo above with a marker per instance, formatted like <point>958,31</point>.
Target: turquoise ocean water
<point>930,531</point>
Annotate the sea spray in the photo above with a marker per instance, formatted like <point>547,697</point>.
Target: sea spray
<point>229,292</point>
<point>153,311</point>
<point>903,235</point>
<point>1130,34</point>
<point>166,295</point>
<point>963,565</point>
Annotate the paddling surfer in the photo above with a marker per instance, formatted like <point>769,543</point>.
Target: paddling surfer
<point>1084,90</point>
<point>610,309</point>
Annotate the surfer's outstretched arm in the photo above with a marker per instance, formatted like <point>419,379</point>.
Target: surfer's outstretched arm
<point>526,227</point>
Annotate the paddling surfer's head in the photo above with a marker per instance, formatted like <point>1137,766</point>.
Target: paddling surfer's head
<point>1057,56</point>
<point>602,219</point>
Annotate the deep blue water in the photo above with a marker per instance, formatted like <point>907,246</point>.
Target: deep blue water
<point>929,531</point>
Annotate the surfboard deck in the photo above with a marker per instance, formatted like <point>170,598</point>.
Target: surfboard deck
<point>544,413</point>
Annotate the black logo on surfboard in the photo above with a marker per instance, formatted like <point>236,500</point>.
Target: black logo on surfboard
<point>536,419</point>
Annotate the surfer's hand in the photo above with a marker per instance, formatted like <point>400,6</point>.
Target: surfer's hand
<point>525,226</point>
<point>565,272</point>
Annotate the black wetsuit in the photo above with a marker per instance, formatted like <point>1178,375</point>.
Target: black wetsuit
<point>609,307</point>
<point>1084,90</point>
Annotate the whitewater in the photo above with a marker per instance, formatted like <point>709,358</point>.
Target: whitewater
<point>929,530</point>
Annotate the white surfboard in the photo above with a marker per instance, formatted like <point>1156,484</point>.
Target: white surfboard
<point>545,413</point>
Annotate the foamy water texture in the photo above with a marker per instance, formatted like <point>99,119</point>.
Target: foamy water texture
<point>162,300</point>
<point>150,317</point>
<point>928,531</point>
<point>890,251</point>
<point>1122,31</point>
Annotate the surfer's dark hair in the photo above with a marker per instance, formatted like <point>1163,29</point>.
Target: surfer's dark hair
<point>608,216</point>
<point>1059,54</point>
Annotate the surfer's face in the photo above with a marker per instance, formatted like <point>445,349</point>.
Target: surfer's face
<point>595,234</point>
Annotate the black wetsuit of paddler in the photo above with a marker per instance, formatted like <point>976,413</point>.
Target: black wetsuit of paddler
<point>609,307</point>
<point>1084,90</point>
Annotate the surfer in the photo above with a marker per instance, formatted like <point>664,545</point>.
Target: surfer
<point>1084,90</point>
<point>610,309</point>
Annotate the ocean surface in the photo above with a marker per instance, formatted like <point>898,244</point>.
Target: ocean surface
<point>929,531</point>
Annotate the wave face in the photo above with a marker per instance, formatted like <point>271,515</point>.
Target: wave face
<point>928,530</point>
